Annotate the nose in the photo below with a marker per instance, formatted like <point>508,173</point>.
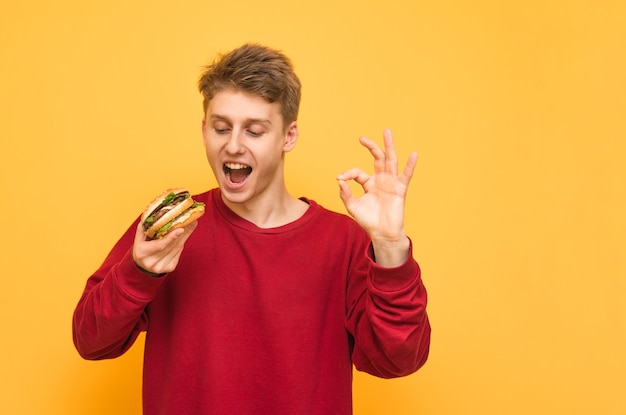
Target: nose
<point>234,143</point>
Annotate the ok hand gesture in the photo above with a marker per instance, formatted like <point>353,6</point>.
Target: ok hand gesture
<point>380,210</point>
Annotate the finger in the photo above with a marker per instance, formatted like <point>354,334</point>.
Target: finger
<point>174,242</point>
<point>178,235</point>
<point>345,193</point>
<point>139,233</point>
<point>391,158</point>
<point>376,151</point>
<point>173,236</point>
<point>182,234</point>
<point>409,168</point>
<point>165,252</point>
<point>142,246</point>
<point>355,174</point>
<point>152,254</point>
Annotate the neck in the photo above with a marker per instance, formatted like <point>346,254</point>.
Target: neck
<point>269,212</point>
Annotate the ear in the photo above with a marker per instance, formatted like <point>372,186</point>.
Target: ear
<point>291,137</point>
<point>204,127</point>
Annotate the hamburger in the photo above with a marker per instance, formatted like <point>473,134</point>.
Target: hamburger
<point>172,209</point>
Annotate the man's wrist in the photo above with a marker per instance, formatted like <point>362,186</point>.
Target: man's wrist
<point>149,273</point>
<point>391,254</point>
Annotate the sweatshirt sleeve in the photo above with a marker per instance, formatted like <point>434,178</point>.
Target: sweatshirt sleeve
<point>111,312</point>
<point>387,318</point>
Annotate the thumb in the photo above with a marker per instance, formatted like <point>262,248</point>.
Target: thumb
<point>345,193</point>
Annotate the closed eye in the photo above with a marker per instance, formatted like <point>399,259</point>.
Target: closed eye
<point>254,133</point>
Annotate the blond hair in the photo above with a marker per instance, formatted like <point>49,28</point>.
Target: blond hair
<point>258,70</point>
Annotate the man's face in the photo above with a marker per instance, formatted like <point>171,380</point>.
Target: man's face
<point>245,141</point>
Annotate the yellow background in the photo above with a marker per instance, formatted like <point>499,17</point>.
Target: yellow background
<point>516,210</point>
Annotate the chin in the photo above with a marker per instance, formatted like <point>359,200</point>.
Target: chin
<point>234,196</point>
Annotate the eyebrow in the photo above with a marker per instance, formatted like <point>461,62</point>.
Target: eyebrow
<point>246,121</point>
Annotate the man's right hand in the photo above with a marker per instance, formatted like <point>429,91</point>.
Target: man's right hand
<point>160,256</point>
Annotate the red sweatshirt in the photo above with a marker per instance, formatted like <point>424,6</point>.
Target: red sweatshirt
<point>258,321</point>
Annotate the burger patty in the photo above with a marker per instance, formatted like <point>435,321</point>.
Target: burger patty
<point>163,209</point>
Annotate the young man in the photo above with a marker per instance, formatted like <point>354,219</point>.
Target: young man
<point>263,305</point>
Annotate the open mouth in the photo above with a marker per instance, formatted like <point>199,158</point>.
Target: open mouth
<point>237,172</point>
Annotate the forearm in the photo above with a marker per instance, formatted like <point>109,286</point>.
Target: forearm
<point>391,326</point>
<point>111,312</point>
<point>397,331</point>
